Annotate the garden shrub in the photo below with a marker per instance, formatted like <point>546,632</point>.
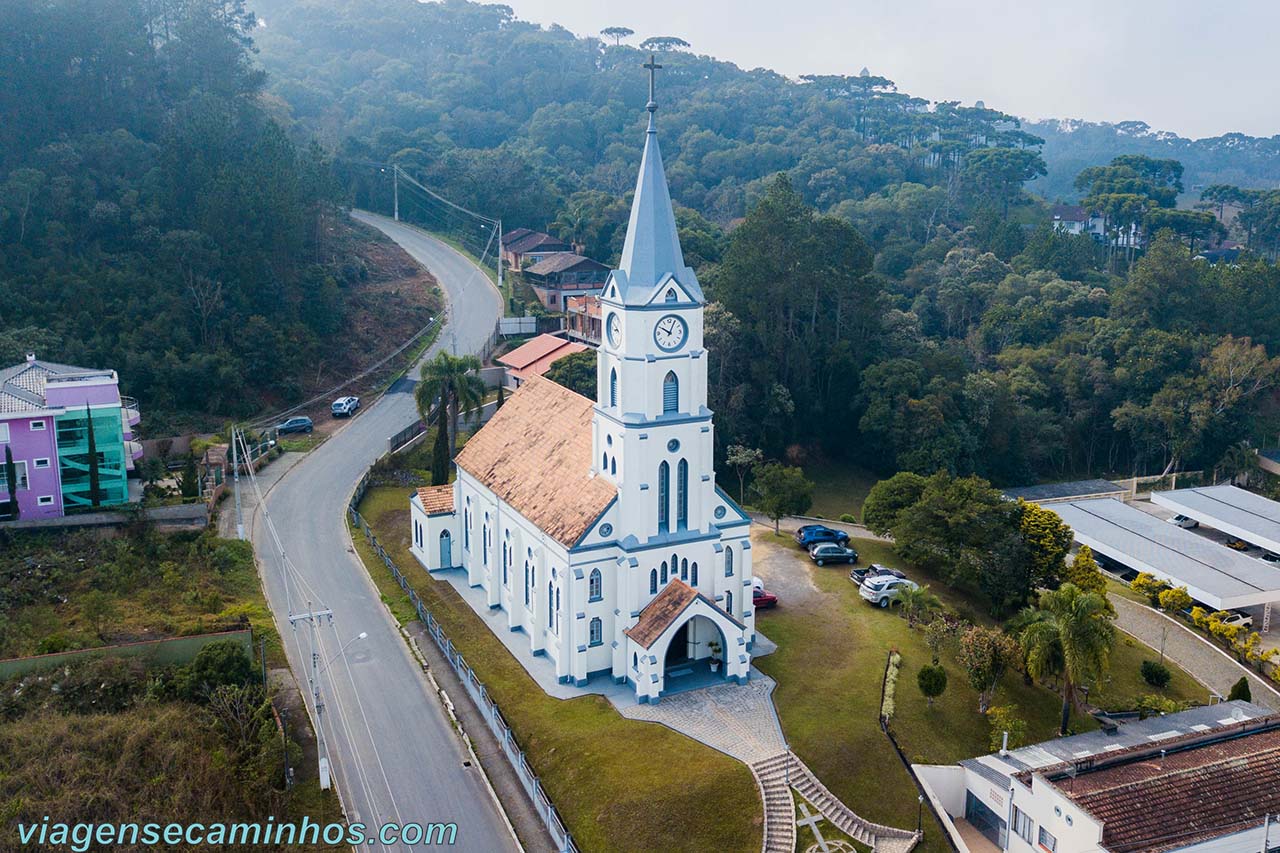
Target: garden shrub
<point>1240,690</point>
<point>1156,674</point>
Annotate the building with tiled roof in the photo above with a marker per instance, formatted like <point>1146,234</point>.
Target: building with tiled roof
<point>525,246</point>
<point>1201,780</point>
<point>535,357</point>
<point>557,277</point>
<point>596,527</point>
<point>46,410</point>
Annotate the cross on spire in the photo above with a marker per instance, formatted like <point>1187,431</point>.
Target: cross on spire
<point>653,67</point>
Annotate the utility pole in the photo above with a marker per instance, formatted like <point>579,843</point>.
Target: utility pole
<point>395,192</point>
<point>235,478</point>
<point>310,617</point>
<point>500,256</point>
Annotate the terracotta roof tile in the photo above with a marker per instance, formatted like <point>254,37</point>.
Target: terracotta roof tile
<point>436,499</point>
<point>658,614</point>
<point>532,350</point>
<point>1154,803</point>
<point>535,454</point>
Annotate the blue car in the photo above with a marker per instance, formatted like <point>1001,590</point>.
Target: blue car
<point>812,534</point>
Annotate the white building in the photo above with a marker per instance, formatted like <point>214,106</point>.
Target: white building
<point>598,528</point>
<point>1202,780</point>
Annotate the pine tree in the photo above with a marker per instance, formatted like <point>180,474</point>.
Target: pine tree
<point>440,453</point>
<point>502,397</point>
<point>95,476</point>
<point>11,482</point>
<point>1240,690</point>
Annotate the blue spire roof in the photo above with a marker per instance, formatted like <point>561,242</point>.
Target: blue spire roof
<point>651,254</point>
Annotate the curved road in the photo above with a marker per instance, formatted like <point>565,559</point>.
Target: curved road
<point>394,751</point>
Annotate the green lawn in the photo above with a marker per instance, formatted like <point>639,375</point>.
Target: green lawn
<point>829,665</point>
<point>636,802</point>
<point>838,488</point>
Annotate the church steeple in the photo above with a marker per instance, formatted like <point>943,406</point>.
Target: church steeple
<point>652,252</point>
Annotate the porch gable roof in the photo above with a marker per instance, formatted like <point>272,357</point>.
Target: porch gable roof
<point>661,613</point>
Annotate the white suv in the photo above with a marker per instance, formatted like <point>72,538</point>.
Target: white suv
<point>882,590</point>
<point>1184,522</point>
<point>345,407</point>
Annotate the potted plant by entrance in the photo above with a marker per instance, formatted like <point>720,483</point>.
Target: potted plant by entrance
<point>714,645</point>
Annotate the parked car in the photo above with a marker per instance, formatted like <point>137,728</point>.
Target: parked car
<point>1184,522</point>
<point>762,599</point>
<point>757,583</point>
<point>345,407</point>
<point>1270,557</point>
<point>813,534</point>
<point>298,424</point>
<point>883,591</point>
<point>1238,617</point>
<point>872,571</point>
<point>1238,545</point>
<point>830,552</point>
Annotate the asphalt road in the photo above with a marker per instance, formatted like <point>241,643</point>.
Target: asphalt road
<point>393,749</point>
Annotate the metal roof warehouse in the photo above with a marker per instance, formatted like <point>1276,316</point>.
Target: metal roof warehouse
<point>1212,573</point>
<point>1234,511</point>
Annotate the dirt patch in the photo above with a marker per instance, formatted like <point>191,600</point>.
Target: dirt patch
<point>784,568</point>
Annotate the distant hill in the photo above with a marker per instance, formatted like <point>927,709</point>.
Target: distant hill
<point>1233,158</point>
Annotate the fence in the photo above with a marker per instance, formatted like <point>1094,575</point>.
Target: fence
<point>480,695</point>
<point>155,652</point>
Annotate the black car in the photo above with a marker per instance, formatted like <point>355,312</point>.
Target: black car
<point>873,570</point>
<point>830,552</point>
<point>298,424</point>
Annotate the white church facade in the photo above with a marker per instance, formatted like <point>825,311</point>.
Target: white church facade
<point>598,528</point>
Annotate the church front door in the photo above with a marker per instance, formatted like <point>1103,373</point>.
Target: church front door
<point>678,651</point>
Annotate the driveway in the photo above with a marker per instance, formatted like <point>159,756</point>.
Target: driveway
<point>394,751</point>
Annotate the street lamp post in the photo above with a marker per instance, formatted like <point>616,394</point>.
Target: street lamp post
<point>920,813</point>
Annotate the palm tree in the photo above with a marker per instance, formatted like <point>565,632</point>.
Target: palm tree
<point>1069,636</point>
<point>917,602</point>
<point>1240,460</point>
<point>455,381</point>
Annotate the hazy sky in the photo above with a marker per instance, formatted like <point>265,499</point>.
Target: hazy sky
<point>1196,67</point>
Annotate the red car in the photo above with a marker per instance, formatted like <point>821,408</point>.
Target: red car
<point>763,599</point>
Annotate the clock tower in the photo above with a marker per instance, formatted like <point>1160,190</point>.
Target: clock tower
<point>652,431</point>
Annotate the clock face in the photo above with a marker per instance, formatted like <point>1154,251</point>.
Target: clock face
<point>670,332</point>
<point>615,330</point>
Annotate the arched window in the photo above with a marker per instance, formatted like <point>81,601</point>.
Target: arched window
<point>682,495</point>
<point>595,632</point>
<point>664,572</point>
<point>604,461</point>
<point>670,393</point>
<point>728,562</point>
<point>595,586</point>
<point>653,581</point>
<point>664,476</point>
<point>466,527</point>
<point>728,603</point>
<point>506,561</point>
<point>526,583</point>
<point>684,569</point>
<point>613,465</point>
<point>635,661</point>
<point>613,387</point>
<point>693,575</point>
<point>557,611</point>
<point>551,611</point>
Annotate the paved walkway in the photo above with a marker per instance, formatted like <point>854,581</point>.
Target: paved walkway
<point>1210,666</point>
<point>738,720</point>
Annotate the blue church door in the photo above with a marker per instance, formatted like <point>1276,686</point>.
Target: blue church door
<point>446,550</point>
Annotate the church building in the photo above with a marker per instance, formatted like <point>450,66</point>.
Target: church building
<point>598,528</point>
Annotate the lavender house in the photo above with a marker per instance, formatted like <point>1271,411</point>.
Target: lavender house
<point>46,411</point>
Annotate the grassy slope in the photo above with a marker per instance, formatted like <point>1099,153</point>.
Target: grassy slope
<point>163,585</point>
<point>839,488</point>
<point>829,666</point>
<point>583,745</point>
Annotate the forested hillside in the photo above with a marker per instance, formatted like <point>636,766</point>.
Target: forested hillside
<point>153,217</point>
<point>1232,158</point>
